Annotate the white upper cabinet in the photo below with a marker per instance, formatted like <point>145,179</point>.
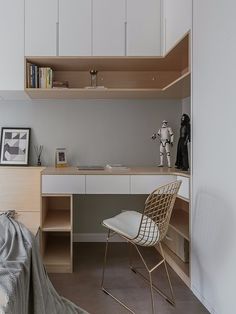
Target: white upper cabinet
<point>41,27</point>
<point>143,27</point>
<point>177,21</point>
<point>11,45</point>
<point>108,28</point>
<point>75,27</point>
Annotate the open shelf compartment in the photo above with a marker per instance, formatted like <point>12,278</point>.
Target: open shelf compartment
<point>57,251</point>
<point>119,77</point>
<point>56,213</point>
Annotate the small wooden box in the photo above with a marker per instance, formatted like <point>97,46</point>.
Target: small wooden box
<point>177,244</point>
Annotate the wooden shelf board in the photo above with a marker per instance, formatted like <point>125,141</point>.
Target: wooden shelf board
<point>57,220</point>
<point>179,89</point>
<point>180,222</point>
<point>181,268</point>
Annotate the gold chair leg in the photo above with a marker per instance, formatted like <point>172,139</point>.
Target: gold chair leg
<point>134,269</point>
<point>103,277</point>
<point>168,275</point>
<point>105,258</point>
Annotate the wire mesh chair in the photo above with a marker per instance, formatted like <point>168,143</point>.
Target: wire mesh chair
<point>147,229</point>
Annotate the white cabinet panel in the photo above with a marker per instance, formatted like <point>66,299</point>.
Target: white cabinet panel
<point>41,17</point>
<point>109,27</point>
<point>75,23</point>
<point>11,45</point>
<point>143,27</point>
<point>177,21</point>
<point>71,184</point>
<point>184,188</point>
<point>107,184</point>
<point>145,184</point>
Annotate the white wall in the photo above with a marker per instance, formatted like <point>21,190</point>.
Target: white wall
<point>186,106</point>
<point>214,149</point>
<point>95,132</point>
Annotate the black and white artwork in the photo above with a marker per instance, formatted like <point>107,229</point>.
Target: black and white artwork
<point>15,146</point>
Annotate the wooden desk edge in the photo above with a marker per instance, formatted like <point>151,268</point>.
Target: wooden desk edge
<point>129,171</point>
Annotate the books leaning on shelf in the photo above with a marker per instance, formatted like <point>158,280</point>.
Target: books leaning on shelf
<point>38,77</point>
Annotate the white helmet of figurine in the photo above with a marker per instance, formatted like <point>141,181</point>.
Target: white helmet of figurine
<point>164,123</point>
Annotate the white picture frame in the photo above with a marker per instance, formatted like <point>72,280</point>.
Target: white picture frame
<point>61,157</point>
<point>15,145</point>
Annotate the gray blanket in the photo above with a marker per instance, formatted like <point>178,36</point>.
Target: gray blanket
<point>24,285</point>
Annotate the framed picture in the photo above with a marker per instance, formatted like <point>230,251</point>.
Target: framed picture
<point>15,146</point>
<point>61,158</point>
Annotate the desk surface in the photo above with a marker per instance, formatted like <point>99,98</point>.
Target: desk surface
<point>129,171</point>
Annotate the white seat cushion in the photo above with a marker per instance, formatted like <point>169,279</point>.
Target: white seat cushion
<point>128,223</point>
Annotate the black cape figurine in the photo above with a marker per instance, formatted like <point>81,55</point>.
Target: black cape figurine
<point>182,150</point>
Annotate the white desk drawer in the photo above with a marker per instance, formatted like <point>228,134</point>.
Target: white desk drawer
<point>184,188</point>
<point>107,184</point>
<point>63,184</point>
<point>145,184</point>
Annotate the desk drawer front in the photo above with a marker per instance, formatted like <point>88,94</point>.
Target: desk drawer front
<point>107,184</point>
<point>145,184</point>
<point>63,184</point>
<point>184,188</point>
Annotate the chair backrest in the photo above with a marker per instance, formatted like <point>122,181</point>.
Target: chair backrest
<point>156,214</point>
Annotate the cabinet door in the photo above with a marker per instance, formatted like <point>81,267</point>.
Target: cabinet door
<point>12,45</point>
<point>177,21</point>
<point>143,27</point>
<point>75,27</point>
<point>109,27</point>
<point>41,28</point>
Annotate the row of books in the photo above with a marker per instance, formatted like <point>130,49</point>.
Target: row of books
<point>38,77</point>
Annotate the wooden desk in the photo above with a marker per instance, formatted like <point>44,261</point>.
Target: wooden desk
<point>60,184</point>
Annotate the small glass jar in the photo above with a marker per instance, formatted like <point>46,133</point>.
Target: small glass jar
<point>93,74</point>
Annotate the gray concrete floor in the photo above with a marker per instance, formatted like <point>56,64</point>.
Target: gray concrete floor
<point>83,285</point>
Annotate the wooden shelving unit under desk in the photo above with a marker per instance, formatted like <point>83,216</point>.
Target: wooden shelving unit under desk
<point>176,245</point>
<point>181,268</point>
<point>57,252</point>
<point>180,222</point>
<point>56,232</point>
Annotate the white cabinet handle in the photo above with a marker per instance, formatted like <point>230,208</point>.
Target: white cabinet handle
<point>57,38</point>
<point>125,38</point>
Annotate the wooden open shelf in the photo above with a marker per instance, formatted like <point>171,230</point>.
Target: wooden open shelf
<point>56,232</point>
<point>180,222</point>
<point>181,268</point>
<point>121,77</point>
<point>177,243</point>
<point>57,220</point>
<point>57,253</point>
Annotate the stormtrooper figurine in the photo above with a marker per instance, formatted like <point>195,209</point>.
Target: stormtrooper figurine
<point>166,140</point>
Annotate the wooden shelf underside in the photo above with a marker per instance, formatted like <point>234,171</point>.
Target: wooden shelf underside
<point>178,89</point>
<point>57,220</point>
<point>181,268</point>
<point>180,222</point>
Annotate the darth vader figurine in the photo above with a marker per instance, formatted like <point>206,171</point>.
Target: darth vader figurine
<point>182,150</point>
